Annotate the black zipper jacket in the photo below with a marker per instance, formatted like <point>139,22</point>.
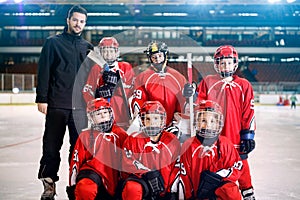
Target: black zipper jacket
<point>58,65</point>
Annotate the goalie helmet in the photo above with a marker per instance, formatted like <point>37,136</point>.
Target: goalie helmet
<point>224,52</point>
<point>157,53</point>
<point>153,118</point>
<point>109,49</point>
<point>208,121</point>
<point>100,114</point>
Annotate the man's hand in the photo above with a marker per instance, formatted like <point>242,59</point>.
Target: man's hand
<point>42,107</point>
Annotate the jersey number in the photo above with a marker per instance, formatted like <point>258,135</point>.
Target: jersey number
<point>137,94</point>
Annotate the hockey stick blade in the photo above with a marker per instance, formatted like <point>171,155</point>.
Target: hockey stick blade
<point>97,58</point>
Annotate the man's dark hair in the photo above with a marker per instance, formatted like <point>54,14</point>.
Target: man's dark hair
<point>76,8</point>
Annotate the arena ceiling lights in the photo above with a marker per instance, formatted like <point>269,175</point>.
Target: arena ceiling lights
<point>158,2</point>
<point>165,14</point>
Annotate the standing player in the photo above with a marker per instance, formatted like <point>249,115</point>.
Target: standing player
<point>60,59</point>
<point>211,164</point>
<point>159,83</point>
<point>104,82</point>
<point>235,96</point>
<point>94,168</point>
<point>149,156</point>
<point>293,100</point>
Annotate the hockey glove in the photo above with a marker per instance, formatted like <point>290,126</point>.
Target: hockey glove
<point>155,182</point>
<point>111,78</point>
<point>188,90</point>
<point>104,91</point>
<point>71,192</point>
<point>247,141</point>
<point>209,182</point>
<point>172,129</point>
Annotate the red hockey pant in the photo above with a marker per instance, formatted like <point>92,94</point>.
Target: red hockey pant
<point>245,178</point>
<point>228,191</point>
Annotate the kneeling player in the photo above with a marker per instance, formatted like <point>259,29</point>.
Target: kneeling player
<point>211,164</point>
<point>149,156</point>
<point>94,168</point>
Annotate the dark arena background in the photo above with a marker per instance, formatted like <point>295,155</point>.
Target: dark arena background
<point>265,33</point>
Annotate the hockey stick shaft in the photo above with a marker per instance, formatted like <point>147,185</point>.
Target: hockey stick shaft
<point>191,99</point>
<point>124,96</point>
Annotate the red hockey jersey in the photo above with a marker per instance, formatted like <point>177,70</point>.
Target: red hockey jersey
<point>141,155</point>
<point>222,159</point>
<point>95,80</point>
<point>237,100</point>
<point>163,87</point>
<point>103,156</point>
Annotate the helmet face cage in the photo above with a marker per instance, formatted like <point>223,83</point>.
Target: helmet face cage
<point>100,115</point>
<point>208,119</point>
<point>109,49</point>
<point>154,48</point>
<point>153,118</point>
<point>224,52</point>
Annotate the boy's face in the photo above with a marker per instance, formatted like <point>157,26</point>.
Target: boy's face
<point>226,65</point>
<point>207,121</point>
<point>158,58</point>
<point>152,120</point>
<point>109,54</point>
<point>102,115</point>
<point>76,23</point>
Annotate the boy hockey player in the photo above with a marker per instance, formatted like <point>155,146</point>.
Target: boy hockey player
<point>94,168</point>
<point>211,164</point>
<point>235,96</point>
<point>149,156</point>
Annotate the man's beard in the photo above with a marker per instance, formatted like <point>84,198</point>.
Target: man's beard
<point>72,31</point>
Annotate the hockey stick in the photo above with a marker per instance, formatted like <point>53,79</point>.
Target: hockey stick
<point>124,96</point>
<point>191,102</point>
<point>97,58</point>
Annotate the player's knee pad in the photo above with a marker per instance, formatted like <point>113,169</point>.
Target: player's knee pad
<point>88,182</point>
<point>134,188</point>
<point>86,188</point>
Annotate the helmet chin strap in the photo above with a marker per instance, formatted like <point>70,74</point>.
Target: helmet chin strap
<point>163,66</point>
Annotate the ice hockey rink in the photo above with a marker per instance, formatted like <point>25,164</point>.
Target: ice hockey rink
<point>275,162</point>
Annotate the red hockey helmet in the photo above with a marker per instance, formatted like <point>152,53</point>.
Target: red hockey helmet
<point>109,42</point>
<point>208,119</point>
<point>153,117</point>
<point>223,52</point>
<point>109,49</point>
<point>100,114</point>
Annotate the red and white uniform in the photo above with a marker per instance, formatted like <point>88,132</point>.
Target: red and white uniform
<point>160,156</point>
<point>95,80</point>
<point>163,87</point>
<point>222,157</point>
<point>237,101</point>
<point>103,156</point>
